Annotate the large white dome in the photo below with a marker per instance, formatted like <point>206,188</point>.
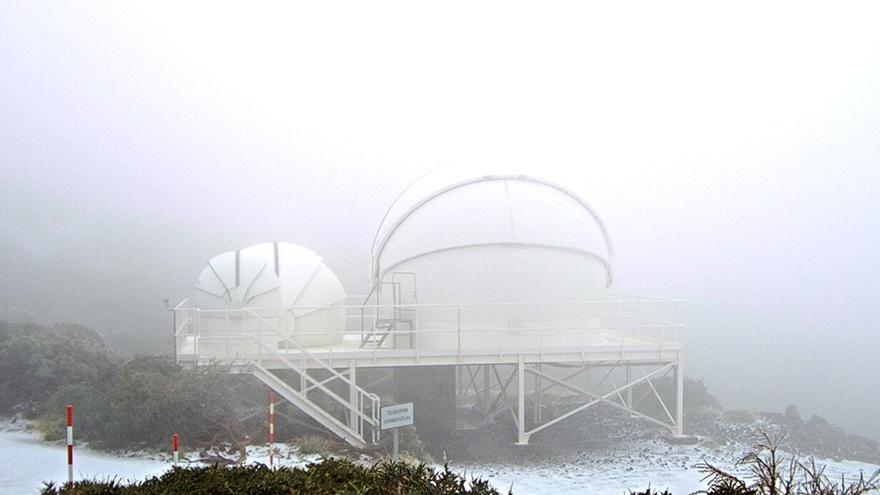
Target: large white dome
<point>287,283</point>
<point>493,234</point>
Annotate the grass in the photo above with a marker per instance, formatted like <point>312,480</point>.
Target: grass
<point>312,445</point>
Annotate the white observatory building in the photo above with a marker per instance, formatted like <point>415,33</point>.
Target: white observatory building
<point>503,279</point>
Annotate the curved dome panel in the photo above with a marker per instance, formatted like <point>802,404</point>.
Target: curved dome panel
<point>458,210</point>
<point>285,284</point>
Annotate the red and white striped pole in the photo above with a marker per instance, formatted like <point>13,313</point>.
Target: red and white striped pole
<point>70,445</point>
<point>271,428</point>
<point>175,448</point>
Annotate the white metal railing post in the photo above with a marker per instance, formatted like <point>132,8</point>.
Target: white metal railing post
<point>459,334</point>
<point>260,341</point>
<point>174,333</point>
<point>541,347</point>
<point>227,335</point>
<point>418,330</point>
<point>198,336</point>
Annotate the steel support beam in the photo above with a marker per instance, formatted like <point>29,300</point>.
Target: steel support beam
<point>629,391</point>
<point>679,395</point>
<point>521,437</point>
<point>524,435</point>
<point>611,403</point>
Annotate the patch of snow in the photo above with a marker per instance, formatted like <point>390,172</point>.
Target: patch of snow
<point>26,463</point>
<point>632,466</point>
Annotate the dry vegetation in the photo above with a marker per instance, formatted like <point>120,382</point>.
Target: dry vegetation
<point>772,473</point>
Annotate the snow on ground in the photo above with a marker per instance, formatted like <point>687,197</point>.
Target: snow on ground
<point>26,462</point>
<point>630,466</point>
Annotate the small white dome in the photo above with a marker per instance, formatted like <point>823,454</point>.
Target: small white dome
<point>283,281</point>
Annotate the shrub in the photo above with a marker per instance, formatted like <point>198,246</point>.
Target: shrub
<point>312,444</point>
<point>90,411</point>
<point>331,476</point>
<point>144,402</point>
<point>36,361</point>
<point>152,397</point>
<point>410,444</point>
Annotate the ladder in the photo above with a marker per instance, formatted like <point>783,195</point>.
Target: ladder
<point>382,328</point>
<point>385,325</point>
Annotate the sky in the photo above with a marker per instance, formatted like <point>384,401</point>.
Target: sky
<point>731,149</point>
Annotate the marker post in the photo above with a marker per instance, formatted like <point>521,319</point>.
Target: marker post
<point>175,448</point>
<point>70,445</point>
<point>271,428</point>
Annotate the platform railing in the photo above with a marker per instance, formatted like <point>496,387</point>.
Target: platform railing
<point>503,328</point>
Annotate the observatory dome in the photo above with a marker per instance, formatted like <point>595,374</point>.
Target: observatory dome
<point>279,283</point>
<point>493,235</point>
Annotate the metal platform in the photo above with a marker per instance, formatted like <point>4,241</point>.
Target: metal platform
<point>505,354</point>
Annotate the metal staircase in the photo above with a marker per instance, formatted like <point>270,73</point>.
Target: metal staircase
<point>355,420</point>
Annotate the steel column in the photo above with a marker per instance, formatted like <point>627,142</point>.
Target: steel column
<point>629,391</point>
<point>679,395</point>
<point>521,437</point>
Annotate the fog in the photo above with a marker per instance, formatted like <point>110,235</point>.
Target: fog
<point>732,151</point>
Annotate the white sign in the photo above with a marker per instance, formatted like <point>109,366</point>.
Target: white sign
<point>396,416</point>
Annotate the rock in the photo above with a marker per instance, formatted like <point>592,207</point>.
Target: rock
<point>792,415</point>
<point>817,422</point>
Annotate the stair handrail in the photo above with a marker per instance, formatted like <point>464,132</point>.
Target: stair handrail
<point>318,384</point>
<point>369,395</point>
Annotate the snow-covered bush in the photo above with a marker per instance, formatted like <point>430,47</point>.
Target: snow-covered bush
<point>147,400</point>
<point>36,361</point>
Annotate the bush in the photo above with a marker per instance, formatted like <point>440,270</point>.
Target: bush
<point>331,476</point>
<point>410,444</point>
<point>37,361</point>
<point>312,445</point>
<point>90,412</point>
<point>140,402</point>
<point>152,398</point>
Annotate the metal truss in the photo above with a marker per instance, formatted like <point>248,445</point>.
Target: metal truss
<point>493,389</point>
